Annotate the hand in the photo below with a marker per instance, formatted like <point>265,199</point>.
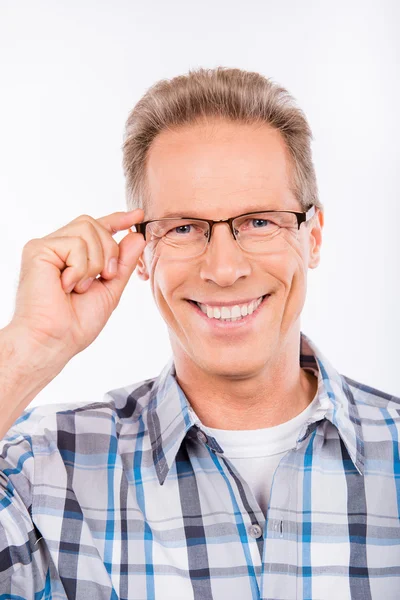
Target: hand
<point>59,302</point>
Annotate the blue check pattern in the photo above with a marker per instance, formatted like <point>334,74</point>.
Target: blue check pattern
<point>131,498</point>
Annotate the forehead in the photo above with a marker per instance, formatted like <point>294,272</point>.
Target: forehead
<point>218,168</point>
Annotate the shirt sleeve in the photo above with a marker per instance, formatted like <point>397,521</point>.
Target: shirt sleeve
<point>23,563</point>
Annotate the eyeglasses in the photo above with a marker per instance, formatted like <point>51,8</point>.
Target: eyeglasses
<point>186,238</point>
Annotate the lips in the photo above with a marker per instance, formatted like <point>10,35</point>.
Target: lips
<point>225,324</point>
<point>227,304</point>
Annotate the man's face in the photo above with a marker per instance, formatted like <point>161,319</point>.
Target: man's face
<point>219,170</point>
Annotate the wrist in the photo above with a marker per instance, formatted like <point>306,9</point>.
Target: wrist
<point>26,367</point>
<point>23,350</point>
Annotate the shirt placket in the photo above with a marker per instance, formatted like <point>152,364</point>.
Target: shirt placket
<point>253,522</point>
<point>282,565</point>
<point>280,560</point>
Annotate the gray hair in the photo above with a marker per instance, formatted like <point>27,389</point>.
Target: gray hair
<point>232,94</point>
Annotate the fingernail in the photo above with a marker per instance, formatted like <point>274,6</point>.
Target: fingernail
<point>86,284</point>
<point>112,266</point>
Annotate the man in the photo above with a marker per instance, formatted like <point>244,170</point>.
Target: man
<point>249,468</point>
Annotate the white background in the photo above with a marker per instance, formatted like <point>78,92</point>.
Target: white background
<point>70,72</point>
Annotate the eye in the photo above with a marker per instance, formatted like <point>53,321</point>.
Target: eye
<point>260,221</point>
<point>180,230</point>
<point>181,227</point>
<point>256,223</point>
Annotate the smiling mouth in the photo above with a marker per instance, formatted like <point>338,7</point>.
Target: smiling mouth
<point>220,316</point>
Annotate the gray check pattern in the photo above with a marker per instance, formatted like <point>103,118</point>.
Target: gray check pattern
<point>130,498</point>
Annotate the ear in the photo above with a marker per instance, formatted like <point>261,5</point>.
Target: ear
<point>315,239</point>
<point>141,268</point>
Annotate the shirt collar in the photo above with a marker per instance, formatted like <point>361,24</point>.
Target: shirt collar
<point>169,417</point>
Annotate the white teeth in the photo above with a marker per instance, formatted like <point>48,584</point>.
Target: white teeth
<point>233,313</point>
<point>236,312</point>
<point>225,313</point>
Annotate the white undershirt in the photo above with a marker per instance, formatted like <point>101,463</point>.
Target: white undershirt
<point>256,453</point>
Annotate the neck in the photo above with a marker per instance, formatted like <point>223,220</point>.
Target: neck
<point>278,393</point>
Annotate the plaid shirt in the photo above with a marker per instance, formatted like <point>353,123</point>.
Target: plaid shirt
<point>129,498</point>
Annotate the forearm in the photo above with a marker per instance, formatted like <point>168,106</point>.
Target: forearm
<point>25,369</point>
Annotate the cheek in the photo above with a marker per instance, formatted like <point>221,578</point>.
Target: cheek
<point>294,278</point>
<point>288,271</point>
<point>165,279</point>
<point>296,252</point>
<point>286,266</point>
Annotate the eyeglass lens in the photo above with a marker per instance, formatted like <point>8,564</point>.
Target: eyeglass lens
<point>187,238</point>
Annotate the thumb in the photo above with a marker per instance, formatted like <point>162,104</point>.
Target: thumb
<point>130,249</point>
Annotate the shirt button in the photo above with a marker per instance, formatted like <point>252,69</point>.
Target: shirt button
<point>202,437</point>
<point>255,531</point>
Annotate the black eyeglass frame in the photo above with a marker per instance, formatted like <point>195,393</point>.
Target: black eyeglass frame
<point>302,217</point>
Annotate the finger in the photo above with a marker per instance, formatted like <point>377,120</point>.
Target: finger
<point>111,224</point>
<point>102,248</point>
<point>108,226</point>
<point>120,221</point>
<point>66,254</point>
<point>76,274</point>
<point>130,249</point>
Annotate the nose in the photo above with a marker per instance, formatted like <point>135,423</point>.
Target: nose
<point>224,261</point>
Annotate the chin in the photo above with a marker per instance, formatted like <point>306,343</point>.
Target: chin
<point>238,367</point>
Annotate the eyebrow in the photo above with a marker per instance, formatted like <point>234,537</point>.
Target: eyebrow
<point>172,215</point>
